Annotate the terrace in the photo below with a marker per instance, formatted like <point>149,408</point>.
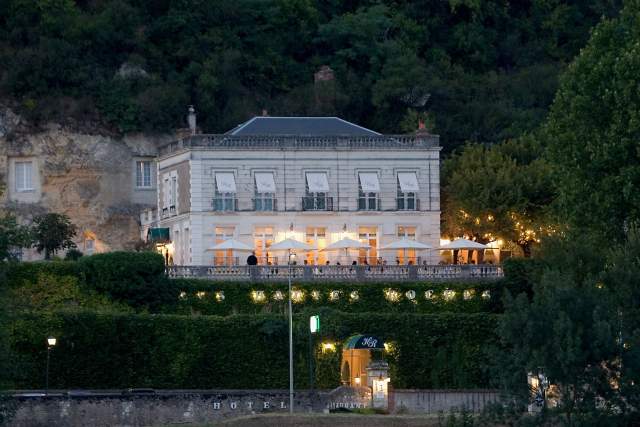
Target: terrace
<point>353,273</point>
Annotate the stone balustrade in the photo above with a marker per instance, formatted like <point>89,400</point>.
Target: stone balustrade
<point>357,273</point>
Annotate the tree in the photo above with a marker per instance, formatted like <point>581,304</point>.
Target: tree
<point>53,232</point>
<point>497,192</point>
<point>593,128</point>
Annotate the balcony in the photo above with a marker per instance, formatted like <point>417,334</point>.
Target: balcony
<point>168,212</point>
<point>265,204</point>
<point>359,273</point>
<point>317,203</point>
<point>225,204</point>
<point>407,204</point>
<point>369,204</point>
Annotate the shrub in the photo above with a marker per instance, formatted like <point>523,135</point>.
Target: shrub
<point>244,351</point>
<point>73,255</point>
<point>135,278</point>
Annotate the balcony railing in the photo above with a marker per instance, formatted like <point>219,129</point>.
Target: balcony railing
<point>265,204</point>
<point>369,204</point>
<point>321,273</point>
<point>222,204</point>
<point>407,204</point>
<point>317,203</point>
<point>167,212</point>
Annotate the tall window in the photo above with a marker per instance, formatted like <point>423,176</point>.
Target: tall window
<point>407,189</point>
<point>316,189</point>
<point>368,235</point>
<point>225,197</point>
<point>265,192</point>
<point>24,176</point>
<point>262,240</point>
<point>223,257</point>
<point>406,256</point>
<point>317,238</point>
<point>173,200</point>
<point>143,174</point>
<point>368,189</point>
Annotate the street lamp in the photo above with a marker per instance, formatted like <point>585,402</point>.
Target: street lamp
<point>51,342</point>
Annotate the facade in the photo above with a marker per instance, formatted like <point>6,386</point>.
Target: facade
<point>313,179</point>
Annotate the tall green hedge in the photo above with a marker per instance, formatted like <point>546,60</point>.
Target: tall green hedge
<point>244,351</point>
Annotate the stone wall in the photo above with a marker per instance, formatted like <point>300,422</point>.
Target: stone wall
<point>89,177</point>
<point>197,407</point>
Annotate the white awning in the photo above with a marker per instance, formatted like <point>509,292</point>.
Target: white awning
<point>265,182</point>
<point>225,182</point>
<point>369,181</point>
<point>317,182</point>
<point>408,182</point>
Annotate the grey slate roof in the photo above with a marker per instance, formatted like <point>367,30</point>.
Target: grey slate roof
<point>303,126</point>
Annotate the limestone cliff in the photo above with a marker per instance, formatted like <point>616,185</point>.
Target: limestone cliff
<point>89,177</point>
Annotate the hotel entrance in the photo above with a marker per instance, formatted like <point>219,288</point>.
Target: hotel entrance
<point>363,365</point>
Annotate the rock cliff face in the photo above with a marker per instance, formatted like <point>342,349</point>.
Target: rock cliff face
<point>90,178</point>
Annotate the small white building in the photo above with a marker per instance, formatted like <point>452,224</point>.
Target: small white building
<point>316,179</point>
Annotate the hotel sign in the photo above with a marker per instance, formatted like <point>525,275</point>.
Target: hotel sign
<point>369,342</point>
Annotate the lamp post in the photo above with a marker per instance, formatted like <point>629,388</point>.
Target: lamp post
<point>314,327</point>
<point>290,338</point>
<point>51,342</point>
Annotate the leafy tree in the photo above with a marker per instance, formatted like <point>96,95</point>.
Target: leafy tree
<point>53,232</point>
<point>593,128</point>
<point>499,191</point>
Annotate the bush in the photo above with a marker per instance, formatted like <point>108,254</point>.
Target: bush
<point>135,278</point>
<point>244,351</point>
<point>21,274</point>
<point>73,255</point>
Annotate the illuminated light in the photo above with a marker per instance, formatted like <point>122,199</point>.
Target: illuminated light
<point>334,295</point>
<point>392,295</point>
<point>328,347</point>
<point>357,380</point>
<point>220,296</point>
<point>315,295</point>
<point>389,347</point>
<point>258,297</point>
<point>429,295</point>
<point>201,294</point>
<point>626,346</point>
<point>490,218</point>
<point>599,285</point>
<point>411,295</point>
<point>278,296</point>
<point>477,221</point>
<point>354,296</point>
<point>182,295</point>
<point>468,294</point>
<point>297,296</point>
<point>486,294</point>
<point>449,295</point>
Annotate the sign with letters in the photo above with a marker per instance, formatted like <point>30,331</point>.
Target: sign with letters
<point>369,342</point>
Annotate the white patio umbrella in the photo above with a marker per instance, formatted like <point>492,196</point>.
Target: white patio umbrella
<point>231,244</point>
<point>290,245</point>
<point>346,244</point>
<point>407,244</point>
<point>463,244</point>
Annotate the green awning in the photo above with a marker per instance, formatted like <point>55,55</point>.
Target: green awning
<point>158,235</point>
<point>369,342</point>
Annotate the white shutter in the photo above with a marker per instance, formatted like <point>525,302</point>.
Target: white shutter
<point>408,182</point>
<point>369,182</point>
<point>28,175</point>
<point>317,182</point>
<point>225,182</point>
<point>19,168</point>
<point>265,182</point>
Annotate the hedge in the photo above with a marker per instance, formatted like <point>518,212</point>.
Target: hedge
<point>225,298</point>
<point>118,351</point>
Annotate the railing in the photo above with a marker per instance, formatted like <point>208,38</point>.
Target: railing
<point>265,204</point>
<point>221,204</point>
<point>407,204</point>
<point>167,212</point>
<point>283,142</point>
<point>311,203</point>
<point>369,203</point>
<point>339,272</point>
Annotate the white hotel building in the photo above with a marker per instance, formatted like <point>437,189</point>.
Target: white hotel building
<point>316,179</point>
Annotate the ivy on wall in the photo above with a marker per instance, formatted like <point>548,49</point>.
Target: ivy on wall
<point>105,351</point>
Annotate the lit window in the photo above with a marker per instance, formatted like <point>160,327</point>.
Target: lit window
<point>143,174</point>
<point>24,176</point>
<point>89,246</point>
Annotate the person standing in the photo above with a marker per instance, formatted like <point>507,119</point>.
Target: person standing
<point>252,259</point>
<point>252,262</point>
